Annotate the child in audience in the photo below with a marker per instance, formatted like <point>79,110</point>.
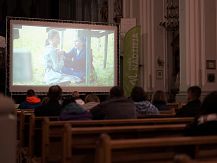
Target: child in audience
<point>159,100</point>
<point>31,101</point>
<point>117,107</point>
<point>77,98</point>
<point>51,106</point>
<point>192,108</point>
<point>91,100</point>
<point>206,122</point>
<point>72,111</point>
<point>144,107</point>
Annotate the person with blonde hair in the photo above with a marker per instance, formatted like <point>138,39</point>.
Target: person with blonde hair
<point>91,100</point>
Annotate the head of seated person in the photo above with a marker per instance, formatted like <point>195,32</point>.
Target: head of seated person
<point>54,93</point>
<point>116,92</point>
<point>159,100</point>
<point>194,93</point>
<point>91,100</point>
<point>31,101</point>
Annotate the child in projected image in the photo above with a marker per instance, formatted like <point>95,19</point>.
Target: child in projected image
<point>54,60</point>
<point>75,60</point>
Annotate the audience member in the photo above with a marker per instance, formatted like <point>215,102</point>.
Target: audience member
<point>6,105</point>
<point>159,100</point>
<point>143,106</point>
<point>51,106</point>
<point>91,100</point>
<point>206,122</point>
<point>72,111</point>
<point>77,98</point>
<point>192,108</point>
<point>117,107</point>
<point>31,101</point>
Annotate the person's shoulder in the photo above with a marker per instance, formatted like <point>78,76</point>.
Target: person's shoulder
<point>6,104</point>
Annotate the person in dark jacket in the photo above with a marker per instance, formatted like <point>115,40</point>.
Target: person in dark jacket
<point>75,60</point>
<point>206,122</point>
<point>192,108</point>
<point>51,106</point>
<point>31,101</point>
<point>117,107</point>
<point>73,111</point>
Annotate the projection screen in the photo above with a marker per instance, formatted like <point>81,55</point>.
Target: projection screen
<point>76,56</point>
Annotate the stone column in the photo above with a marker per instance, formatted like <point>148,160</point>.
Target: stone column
<point>197,43</point>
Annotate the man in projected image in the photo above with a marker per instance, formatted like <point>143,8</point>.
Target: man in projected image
<point>54,60</point>
<point>75,60</point>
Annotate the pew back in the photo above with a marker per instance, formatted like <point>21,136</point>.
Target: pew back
<point>80,143</point>
<point>53,130</point>
<point>155,149</point>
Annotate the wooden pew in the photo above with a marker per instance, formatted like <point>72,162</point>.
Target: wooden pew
<point>80,143</point>
<point>18,123</point>
<point>183,158</point>
<point>56,128</point>
<point>35,135</point>
<point>23,118</point>
<point>121,122</point>
<point>22,121</point>
<point>155,149</point>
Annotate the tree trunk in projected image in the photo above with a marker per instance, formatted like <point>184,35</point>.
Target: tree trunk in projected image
<point>131,59</point>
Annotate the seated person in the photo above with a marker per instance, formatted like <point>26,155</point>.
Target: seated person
<point>143,106</point>
<point>31,101</point>
<point>206,122</point>
<point>6,105</point>
<point>75,60</point>
<point>91,100</point>
<point>192,108</point>
<point>117,107</point>
<point>159,100</point>
<point>51,106</point>
<point>72,111</point>
<point>77,98</point>
<point>54,61</point>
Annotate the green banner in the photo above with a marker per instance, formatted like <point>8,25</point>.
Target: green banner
<point>131,59</point>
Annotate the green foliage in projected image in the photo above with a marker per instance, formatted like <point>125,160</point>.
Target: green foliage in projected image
<point>33,40</point>
<point>105,76</point>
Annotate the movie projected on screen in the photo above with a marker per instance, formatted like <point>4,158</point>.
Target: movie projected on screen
<point>76,56</point>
